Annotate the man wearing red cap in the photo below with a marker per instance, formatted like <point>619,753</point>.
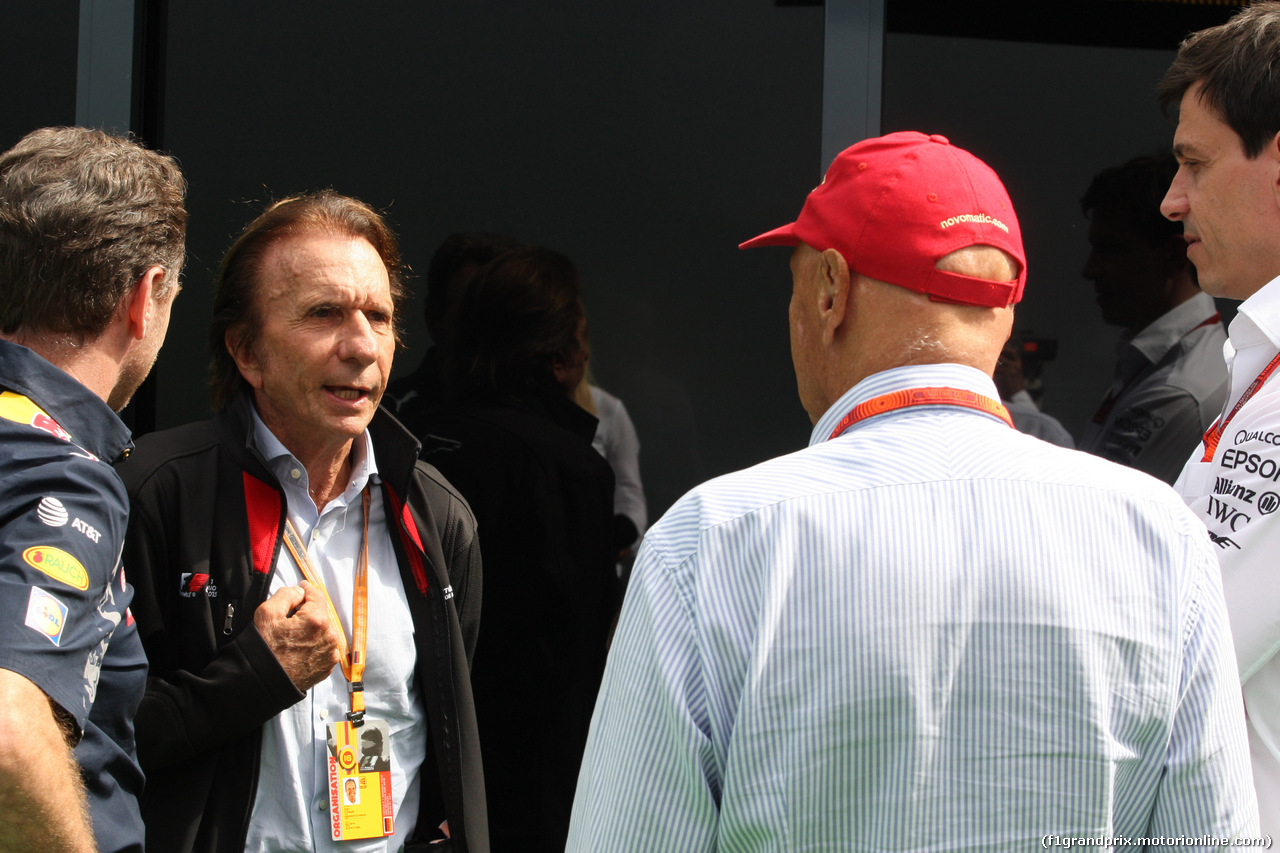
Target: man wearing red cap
<point>926,630</point>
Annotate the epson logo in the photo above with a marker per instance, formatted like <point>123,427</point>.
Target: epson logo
<point>1252,463</point>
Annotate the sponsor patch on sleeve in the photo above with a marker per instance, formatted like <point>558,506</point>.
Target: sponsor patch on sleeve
<point>46,614</point>
<point>51,512</point>
<point>57,564</point>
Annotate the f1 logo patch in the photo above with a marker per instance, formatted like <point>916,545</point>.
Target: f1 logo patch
<point>193,583</point>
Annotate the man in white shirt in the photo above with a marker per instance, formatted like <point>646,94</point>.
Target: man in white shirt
<point>926,630</point>
<point>309,585</point>
<point>1226,194</point>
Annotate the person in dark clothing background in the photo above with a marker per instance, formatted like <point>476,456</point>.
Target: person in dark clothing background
<point>519,450</point>
<point>456,261</point>
<point>1170,381</point>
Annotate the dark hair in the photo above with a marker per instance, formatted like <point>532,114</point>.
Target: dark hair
<point>1237,65</point>
<point>83,215</point>
<point>234,303</point>
<point>519,312</point>
<point>1135,189</point>
<point>457,252</point>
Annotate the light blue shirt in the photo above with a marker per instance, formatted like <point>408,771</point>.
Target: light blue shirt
<point>291,809</point>
<point>930,633</point>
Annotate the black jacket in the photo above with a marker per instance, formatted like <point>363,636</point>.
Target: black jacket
<point>204,503</point>
<point>544,500</point>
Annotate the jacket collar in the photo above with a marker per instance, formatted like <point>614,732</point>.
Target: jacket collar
<point>394,446</point>
<point>86,416</point>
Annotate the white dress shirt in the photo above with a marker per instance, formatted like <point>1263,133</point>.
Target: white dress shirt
<point>291,808</point>
<point>1236,495</point>
<point>930,633</point>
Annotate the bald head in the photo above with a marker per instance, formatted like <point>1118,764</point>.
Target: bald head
<point>984,262</point>
<point>904,327</point>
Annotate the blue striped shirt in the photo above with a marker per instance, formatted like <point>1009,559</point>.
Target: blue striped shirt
<point>930,633</point>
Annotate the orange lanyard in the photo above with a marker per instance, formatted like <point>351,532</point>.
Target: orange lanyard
<point>353,661</point>
<point>1214,433</point>
<point>922,397</point>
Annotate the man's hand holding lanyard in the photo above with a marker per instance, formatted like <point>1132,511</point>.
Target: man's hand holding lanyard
<point>295,625</point>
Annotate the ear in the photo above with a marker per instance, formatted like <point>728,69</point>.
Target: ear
<point>139,305</point>
<point>833,293</point>
<point>245,358</point>
<point>559,368</point>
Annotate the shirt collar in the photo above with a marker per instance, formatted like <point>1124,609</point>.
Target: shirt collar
<point>364,467</point>
<point>1258,318</point>
<point>1162,335</point>
<point>901,379</point>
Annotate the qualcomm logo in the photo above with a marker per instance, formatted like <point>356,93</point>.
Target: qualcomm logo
<point>52,512</point>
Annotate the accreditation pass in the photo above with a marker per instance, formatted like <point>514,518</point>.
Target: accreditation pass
<point>360,780</point>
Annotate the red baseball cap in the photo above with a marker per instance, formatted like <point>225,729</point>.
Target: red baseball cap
<point>895,205</point>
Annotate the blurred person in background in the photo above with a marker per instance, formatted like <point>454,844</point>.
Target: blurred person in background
<point>518,448</point>
<point>1170,381</point>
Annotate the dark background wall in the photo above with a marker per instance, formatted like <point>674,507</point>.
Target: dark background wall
<point>644,139</point>
<point>38,43</point>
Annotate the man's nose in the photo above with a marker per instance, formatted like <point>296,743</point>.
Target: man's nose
<point>1174,206</point>
<point>359,340</point>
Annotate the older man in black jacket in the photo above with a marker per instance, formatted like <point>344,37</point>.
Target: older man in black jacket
<point>252,717</point>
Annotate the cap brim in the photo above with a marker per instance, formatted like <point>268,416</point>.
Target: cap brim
<point>784,236</point>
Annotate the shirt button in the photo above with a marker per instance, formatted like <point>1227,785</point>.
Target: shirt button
<point>321,805</point>
<point>295,473</point>
<point>324,713</point>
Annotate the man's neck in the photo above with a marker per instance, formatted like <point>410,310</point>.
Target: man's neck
<point>1184,292</point>
<point>328,477</point>
<point>328,460</point>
